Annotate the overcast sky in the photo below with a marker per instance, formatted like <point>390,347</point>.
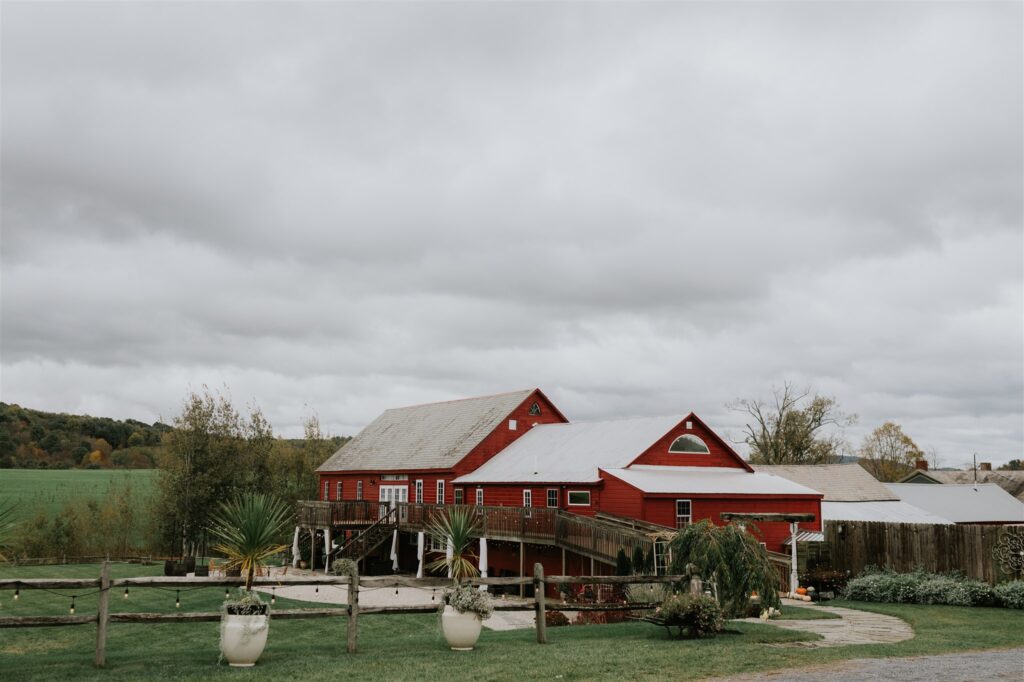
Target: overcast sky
<point>643,209</point>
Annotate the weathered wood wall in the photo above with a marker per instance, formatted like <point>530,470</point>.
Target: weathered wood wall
<point>904,547</point>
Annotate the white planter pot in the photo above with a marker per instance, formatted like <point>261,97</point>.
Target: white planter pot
<point>461,630</point>
<point>242,638</point>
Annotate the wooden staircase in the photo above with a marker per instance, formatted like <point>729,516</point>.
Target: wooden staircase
<point>369,539</point>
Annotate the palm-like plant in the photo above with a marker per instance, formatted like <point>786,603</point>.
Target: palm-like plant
<point>249,530</point>
<point>458,527</point>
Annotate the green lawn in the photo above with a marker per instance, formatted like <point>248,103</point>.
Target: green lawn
<point>49,490</point>
<point>806,613</point>
<point>410,647</point>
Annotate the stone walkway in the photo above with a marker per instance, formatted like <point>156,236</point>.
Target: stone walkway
<point>852,627</point>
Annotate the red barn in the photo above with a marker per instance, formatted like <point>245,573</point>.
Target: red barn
<point>567,495</point>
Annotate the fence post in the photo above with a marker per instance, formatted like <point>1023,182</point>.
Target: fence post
<point>353,610</point>
<point>539,597</point>
<point>102,615</point>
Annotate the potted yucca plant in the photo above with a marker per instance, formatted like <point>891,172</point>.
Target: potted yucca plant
<point>463,608</point>
<point>248,531</point>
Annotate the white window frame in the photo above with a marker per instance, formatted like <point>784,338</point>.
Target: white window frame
<point>479,497</point>
<point>440,491</point>
<point>555,491</point>
<point>327,490</point>
<point>460,496</point>
<point>419,491</point>
<point>359,490</point>
<point>339,489</point>
<point>688,515</point>
<point>528,502</point>
<point>570,493</point>
<point>512,425</point>
<point>662,557</point>
<point>692,438</point>
<point>436,544</point>
<point>394,477</point>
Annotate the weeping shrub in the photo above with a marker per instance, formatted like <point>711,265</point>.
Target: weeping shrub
<point>730,558</point>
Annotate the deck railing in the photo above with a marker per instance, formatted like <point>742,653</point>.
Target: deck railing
<point>591,537</point>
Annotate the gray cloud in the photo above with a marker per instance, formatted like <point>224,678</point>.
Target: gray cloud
<point>641,208</point>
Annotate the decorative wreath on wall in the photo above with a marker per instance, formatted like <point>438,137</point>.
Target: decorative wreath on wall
<point>1009,552</point>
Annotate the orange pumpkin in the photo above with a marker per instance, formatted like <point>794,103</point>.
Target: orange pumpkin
<point>801,590</point>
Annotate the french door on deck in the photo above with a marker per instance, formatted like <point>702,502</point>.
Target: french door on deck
<point>391,494</point>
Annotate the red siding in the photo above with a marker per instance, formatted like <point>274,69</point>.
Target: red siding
<point>662,510</point>
<point>721,454</point>
<point>503,436</point>
<point>511,495</point>
<point>618,497</point>
<point>372,482</point>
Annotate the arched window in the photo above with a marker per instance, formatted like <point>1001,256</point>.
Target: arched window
<point>689,444</point>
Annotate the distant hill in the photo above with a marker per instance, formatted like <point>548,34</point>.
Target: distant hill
<point>33,439</point>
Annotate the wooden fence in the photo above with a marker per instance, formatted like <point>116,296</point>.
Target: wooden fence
<point>104,584</point>
<point>905,547</point>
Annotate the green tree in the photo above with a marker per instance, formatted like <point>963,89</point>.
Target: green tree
<point>213,454</point>
<point>731,560</point>
<point>888,453</point>
<point>795,428</point>
<point>1012,465</point>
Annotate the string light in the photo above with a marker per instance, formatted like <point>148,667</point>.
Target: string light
<point>126,593</point>
<point>318,589</point>
<point>433,594</point>
<point>396,590</point>
<point>17,592</point>
<point>273,595</point>
<point>226,593</point>
<point>72,609</point>
<point>177,599</point>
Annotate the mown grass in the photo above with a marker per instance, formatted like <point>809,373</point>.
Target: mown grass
<point>410,647</point>
<point>806,613</point>
<point>49,490</point>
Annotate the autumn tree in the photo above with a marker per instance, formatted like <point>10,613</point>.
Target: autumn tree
<point>794,428</point>
<point>888,453</point>
<point>294,464</point>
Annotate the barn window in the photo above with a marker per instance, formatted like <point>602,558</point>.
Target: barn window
<point>339,490</point>
<point>552,497</point>
<point>458,496</point>
<point>419,492</point>
<point>359,490</point>
<point>534,410</point>
<point>327,490</point>
<point>479,497</point>
<point>579,498</point>
<point>438,543</point>
<point>688,443</point>
<point>440,491</point>
<point>684,513</point>
<point>528,501</point>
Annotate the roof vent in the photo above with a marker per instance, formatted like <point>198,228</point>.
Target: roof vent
<point>689,425</point>
<point>511,424</point>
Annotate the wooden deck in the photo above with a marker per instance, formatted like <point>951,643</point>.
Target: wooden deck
<point>592,538</point>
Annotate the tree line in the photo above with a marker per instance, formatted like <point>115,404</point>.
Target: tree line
<point>801,427</point>
<point>34,439</point>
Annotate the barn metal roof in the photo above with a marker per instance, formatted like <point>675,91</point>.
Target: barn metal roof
<point>707,480</point>
<point>963,503</point>
<point>1010,481</point>
<point>432,436</point>
<point>837,482</point>
<point>572,453</point>
<point>889,511</point>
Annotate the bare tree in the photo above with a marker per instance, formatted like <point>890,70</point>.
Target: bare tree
<point>888,453</point>
<point>793,429</point>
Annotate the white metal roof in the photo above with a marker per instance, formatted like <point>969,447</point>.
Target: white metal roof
<point>837,482</point>
<point>963,503</point>
<point>707,480</point>
<point>432,436</point>
<point>572,453</point>
<point>889,511</point>
<point>806,536</point>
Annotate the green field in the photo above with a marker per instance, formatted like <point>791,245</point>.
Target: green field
<point>409,647</point>
<point>48,490</point>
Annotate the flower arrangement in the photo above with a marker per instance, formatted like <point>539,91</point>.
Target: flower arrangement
<point>468,599</point>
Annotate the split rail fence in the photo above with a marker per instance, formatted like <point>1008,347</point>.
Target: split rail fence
<point>904,547</point>
<point>105,585</point>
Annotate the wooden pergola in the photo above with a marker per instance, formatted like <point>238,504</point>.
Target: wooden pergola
<point>793,520</point>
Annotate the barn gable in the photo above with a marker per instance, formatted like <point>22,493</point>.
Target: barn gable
<point>691,443</point>
<point>435,435</point>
